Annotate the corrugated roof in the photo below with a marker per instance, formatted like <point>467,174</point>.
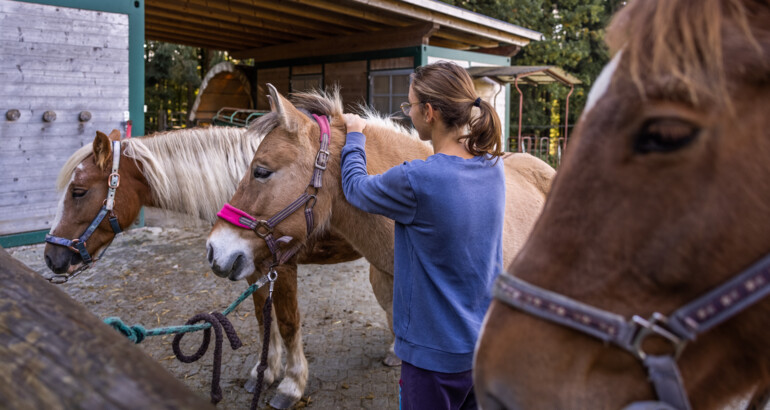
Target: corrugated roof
<point>526,74</point>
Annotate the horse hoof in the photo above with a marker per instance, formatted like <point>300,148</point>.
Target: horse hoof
<point>282,401</point>
<point>391,360</point>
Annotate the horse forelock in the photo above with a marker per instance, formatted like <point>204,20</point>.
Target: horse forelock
<point>194,171</point>
<point>65,174</point>
<point>685,43</point>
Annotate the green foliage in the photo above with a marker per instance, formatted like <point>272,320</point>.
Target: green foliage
<point>173,74</point>
<point>574,41</point>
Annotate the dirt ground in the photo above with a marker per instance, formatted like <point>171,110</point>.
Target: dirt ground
<point>158,276</point>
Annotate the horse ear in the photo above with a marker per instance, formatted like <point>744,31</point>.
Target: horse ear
<point>272,104</point>
<point>114,135</point>
<point>102,149</point>
<point>291,117</point>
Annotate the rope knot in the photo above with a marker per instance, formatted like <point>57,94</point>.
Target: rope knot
<point>136,333</point>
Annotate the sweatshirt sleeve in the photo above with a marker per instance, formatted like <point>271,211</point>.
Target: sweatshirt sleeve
<point>389,194</point>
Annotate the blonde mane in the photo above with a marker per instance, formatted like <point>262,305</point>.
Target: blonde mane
<point>192,171</point>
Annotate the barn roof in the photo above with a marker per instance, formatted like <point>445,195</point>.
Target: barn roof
<point>283,29</point>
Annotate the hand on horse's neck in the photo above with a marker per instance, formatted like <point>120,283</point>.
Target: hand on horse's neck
<point>447,141</point>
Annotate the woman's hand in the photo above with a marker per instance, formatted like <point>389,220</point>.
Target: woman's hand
<point>354,123</point>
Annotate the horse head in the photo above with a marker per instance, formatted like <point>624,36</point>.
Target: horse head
<point>279,174</point>
<point>85,184</point>
<point>663,196</point>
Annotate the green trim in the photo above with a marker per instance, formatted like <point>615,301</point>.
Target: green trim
<point>423,57</point>
<point>448,53</point>
<point>19,239</point>
<point>339,58</point>
<point>507,125</point>
<point>135,11</point>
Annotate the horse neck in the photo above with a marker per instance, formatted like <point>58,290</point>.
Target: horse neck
<point>194,171</point>
<point>370,234</point>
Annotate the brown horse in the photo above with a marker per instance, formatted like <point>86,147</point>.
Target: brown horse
<point>282,168</point>
<point>662,197</point>
<point>192,171</point>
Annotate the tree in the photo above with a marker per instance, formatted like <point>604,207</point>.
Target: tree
<point>574,41</point>
<point>173,74</point>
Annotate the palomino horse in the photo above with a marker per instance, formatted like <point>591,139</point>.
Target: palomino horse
<point>663,197</point>
<point>192,171</point>
<point>282,168</point>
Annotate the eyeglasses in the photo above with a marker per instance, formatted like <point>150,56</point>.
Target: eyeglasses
<point>407,107</point>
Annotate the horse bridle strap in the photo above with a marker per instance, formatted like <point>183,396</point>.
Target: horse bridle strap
<point>79,245</point>
<point>264,228</point>
<point>683,325</point>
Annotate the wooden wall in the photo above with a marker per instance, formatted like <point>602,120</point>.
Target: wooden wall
<point>351,77</point>
<point>62,60</point>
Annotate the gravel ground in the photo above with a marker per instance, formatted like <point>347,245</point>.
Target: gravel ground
<point>158,276</point>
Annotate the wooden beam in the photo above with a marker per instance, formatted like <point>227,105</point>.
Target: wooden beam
<point>185,11</point>
<point>56,354</point>
<point>313,13</point>
<point>456,18</point>
<point>212,24</point>
<point>178,27</point>
<point>219,43</point>
<point>507,51</point>
<point>379,40</point>
<point>190,41</point>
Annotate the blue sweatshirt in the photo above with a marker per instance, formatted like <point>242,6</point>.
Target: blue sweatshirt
<point>448,214</point>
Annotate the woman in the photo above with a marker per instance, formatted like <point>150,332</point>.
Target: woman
<point>448,212</point>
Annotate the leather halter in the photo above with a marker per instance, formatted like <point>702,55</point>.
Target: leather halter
<point>680,327</point>
<point>79,244</point>
<point>264,228</point>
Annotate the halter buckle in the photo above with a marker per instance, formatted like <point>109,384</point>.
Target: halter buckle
<point>645,328</point>
<point>113,181</point>
<point>319,165</point>
<point>73,244</point>
<point>264,225</point>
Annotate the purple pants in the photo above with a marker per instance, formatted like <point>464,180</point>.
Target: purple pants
<point>421,389</point>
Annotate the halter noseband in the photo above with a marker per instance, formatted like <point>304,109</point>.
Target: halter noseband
<point>79,245</point>
<point>264,228</point>
<point>680,327</point>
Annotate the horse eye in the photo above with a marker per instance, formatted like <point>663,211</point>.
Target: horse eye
<point>261,173</point>
<point>79,193</point>
<point>665,135</point>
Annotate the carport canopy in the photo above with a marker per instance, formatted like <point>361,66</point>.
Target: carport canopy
<point>532,75</point>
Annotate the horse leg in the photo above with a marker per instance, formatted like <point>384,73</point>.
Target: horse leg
<point>292,386</point>
<point>382,285</point>
<point>276,344</point>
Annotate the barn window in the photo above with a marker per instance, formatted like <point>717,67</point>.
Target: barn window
<point>306,82</point>
<point>388,89</point>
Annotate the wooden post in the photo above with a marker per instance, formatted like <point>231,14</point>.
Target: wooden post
<point>55,354</point>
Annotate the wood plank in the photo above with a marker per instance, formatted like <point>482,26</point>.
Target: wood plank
<point>63,51</point>
<point>22,102</point>
<point>410,36</point>
<point>32,223</point>
<point>32,62</point>
<point>391,63</point>
<point>62,90</point>
<point>66,78</point>
<point>166,25</point>
<point>55,353</point>
<point>313,13</point>
<point>63,13</point>
<point>57,24</point>
<point>183,11</point>
<point>17,198</point>
<point>213,25</point>
<point>22,34</point>
<point>352,78</point>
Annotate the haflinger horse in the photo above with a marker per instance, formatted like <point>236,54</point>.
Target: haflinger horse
<point>295,151</point>
<point>191,171</point>
<point>647,245</point>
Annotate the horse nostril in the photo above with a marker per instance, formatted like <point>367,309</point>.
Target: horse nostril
<point>48,262</point>
<point>210,254</point>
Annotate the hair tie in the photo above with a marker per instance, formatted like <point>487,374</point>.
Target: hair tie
<point>477,103</point>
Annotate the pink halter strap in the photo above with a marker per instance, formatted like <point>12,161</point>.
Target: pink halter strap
<point>233,215</point>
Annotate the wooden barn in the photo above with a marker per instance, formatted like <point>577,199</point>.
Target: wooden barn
<point>81,61</point>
